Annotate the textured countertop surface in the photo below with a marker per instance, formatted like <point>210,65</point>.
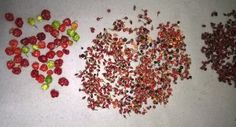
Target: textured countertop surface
<point>200,102</point>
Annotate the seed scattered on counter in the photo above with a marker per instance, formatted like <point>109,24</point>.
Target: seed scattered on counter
<point>135,71</point>
<point>220,48</point>
<point>48,53</point>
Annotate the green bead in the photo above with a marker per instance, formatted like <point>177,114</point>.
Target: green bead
<point>50,64</point>
<point>56,24</point>
<point>25,49</point>
<point>45,86</point>
<point>48,79</point>
<point>39,18</point>
<point>76,37</point>
<point>35,47</point>
<point>71,32</point>
<point>31,21</point>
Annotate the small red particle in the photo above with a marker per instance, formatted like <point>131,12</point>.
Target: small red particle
<point>58,70</point>
<point>51,45</point>
<point>17,58</point>
<point>67,22</point>
<point>49,72</point>
<point>19,22</point>
<point>16,32</point>
<point>41,36</point>
<point>54,93</point>
<point>17,50</point>
<point>9,51</point>
<point>25,41</point>
<point>9,16</point>
<point>41,44</point>
<point>24,63</point>
<point>40,78</point>
<point>34,73</point>
<point>36,53</point>
<point>43,58</point>
<point>10,64</point>
<point>58,63</point>
<point>63,81</point>
<point>43,67</point>
<point>16,70</point>
<point>62,27</point>
<point>13,43</point>
<point>35,65</point>
<point>66,51</point>
<point>54,32</point>
<point>32,40</point>
<point>59,53</point>
<point>46,14</point>
<point>48,28</point>
<point>50,54</point>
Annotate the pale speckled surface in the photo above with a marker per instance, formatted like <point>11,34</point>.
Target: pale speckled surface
<point>200,102</point>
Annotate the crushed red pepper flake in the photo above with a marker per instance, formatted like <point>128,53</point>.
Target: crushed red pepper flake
<point>134,74</point>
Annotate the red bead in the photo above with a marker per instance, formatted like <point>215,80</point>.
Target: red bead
<point>17,51</point>
<point>41,44</point>
<point>50,54</point>
<point>62,27</point>
<point>32,40</point>
<point>34,73</point>
<point>59,53</point>
<point>13,43</point>
<point>40,78</point>
<point>24,63</point>
<point>58,63</point>
<point>9,51</point>
<point>58,71</point>
<point>49,72</point>
<point>16,70</point>
<point>46,14</point>
<point>35,65</point>
<point>41,36</point>
<point>36,53</point>
<point>9,16</point>
<point>19,22</point>
<point>25,41</point>
<point>63,81</point>
<point>16,32</point>
<point>54,93</point>
<point>43,58</point>
<point>10,64</point>
<point>17,58</point>
<point>48,28</point>
<point>67,22</point>
<point>44,67</point>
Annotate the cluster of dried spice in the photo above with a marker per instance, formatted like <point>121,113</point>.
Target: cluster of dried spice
<point>220,48</point>
<point>134,74</point>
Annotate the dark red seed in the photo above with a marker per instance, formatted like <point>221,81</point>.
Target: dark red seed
<point>19,22</point>
<point>16,70</point>
<point>43,67</point>
<point>48,28</point>
<point>67,22</point>
<point>25,41</point>
<point>13,43</point>
<point>63,81</point>
<point>43,58</point>
<point>51,45</point>
<point>24,63</point>
<point>54,32</point>
<point>40,78</point>
<point>35,65</point>
<point>34,73</point>
<point>9,51</point>
<point>58,70</point>
<point>36,53</point>
<point>59,53</point>
<point>58,62</point>
<point>66,51</point>
<point>50,54</point>
<point>46,15</point>
<point>18,58</point>
<point>41,36</point>
<point>9,16</point>
<point>16,32</point>
<point>33,40</point>
<point>54,93</point>
<point>10,64</point>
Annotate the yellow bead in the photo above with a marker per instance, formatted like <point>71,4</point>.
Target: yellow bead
<point>45,86</point>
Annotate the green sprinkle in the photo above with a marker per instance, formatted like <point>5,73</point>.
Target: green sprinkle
<point>45,86</point>
<point>56,24</point>
<point>50,64</point>
<point>48,79</point>
<point>76,37</point>
<point>35,47</point>
<point>39,18</point>
<point>25,49</point>
<point>71,32</point>
<point>31,21</point>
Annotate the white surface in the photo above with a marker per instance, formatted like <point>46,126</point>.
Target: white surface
<point>200,102</point>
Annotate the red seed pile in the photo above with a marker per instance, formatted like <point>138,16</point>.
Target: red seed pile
<point>134,73</point>
<point>220,48</point>
<point>48,54</point>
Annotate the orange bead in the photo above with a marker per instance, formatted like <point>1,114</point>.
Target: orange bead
<point>74,25</point>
